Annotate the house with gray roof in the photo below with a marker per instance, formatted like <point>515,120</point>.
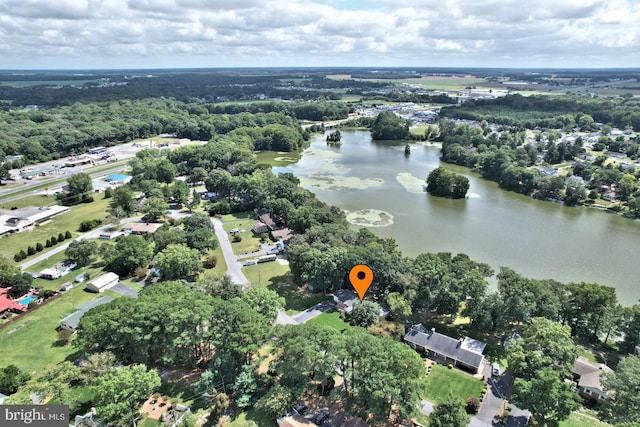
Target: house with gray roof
<point>71,322</point>
<point>466,352</point>
<point>587,376</point>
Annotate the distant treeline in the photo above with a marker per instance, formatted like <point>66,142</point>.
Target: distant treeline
<point>551,112</point>
<point>208,86</point>
<point>45,134</point>
<point>420,98</point>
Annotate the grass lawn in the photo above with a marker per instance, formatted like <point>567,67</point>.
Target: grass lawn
<point>331,320</point>
<point>23,202</point>
<point>238,216</point>
<point>252,417</point>
<point>443,380</point>
<point>266,273</point>
<point>580,419</point>
<point>30,343</point>
<point>296,299</point>
<point>67,221</point>
<point>221,266</point>
<point>250,242</point>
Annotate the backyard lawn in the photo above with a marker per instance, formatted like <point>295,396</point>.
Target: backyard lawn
<point>443,380</point>
<point>265,273</point>
<point>580,419</point>
<point>242,221</point>
<point>30,343</point>
<point>331,320</point>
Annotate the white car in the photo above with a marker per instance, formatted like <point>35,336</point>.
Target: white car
<point>495,369</point>
<point>250,262</point>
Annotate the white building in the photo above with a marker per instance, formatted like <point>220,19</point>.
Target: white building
<point>103,282</point>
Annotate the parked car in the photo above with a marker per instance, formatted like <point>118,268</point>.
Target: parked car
<point>250,262</point>
<point>274,251</point>
<point>321,417</point>
<point>300,408</point>
<point>495,369</point>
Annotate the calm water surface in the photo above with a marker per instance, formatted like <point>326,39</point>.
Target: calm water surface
<point>535,238</point>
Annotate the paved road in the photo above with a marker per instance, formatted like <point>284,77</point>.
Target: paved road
<point>93,234</point>
<point>234,269</point>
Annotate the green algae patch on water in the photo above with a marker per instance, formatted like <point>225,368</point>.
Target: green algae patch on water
<point>411,183</point>
<point>370,218</point>
<point>285,159</point>
<point>337,182</point>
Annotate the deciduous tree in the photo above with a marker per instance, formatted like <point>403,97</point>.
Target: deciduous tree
<point>119,391</point>
<point>450,413</point>
<point>622,390</point>
<point>81,251</point>
<point>178,262</point>
<point>547,396</point>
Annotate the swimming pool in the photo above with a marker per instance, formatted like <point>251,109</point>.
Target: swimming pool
<point>27,300</point>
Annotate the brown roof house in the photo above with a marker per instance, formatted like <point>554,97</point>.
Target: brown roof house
<point>466,352</point>
<point>141,228</point>
<point>587,376</point>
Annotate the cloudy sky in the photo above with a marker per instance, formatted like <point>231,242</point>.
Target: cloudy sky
<point>77,34</point>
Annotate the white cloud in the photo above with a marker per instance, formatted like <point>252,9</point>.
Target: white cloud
<point>169,33</point>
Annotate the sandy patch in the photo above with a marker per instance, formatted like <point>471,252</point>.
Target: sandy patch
<point>370,218</point>
<point>411,183</point>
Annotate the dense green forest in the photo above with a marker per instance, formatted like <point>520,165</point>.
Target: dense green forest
<point>46,134</point>
<point>550,112</point>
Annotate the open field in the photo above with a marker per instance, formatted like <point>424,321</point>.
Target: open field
<point>443,380</point>
<point>30,343</point>
<point>38,200</point>
<point>67,221</point>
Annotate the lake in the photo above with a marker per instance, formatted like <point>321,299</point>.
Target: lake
<point>382,188</point>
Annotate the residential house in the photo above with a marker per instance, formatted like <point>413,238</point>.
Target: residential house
<point>8,305</point>
<point>466,352</point>
<point>71,322</point>
<point>103,282</point>
<point>284,235</point>
<point>259,227</point>
<point>344,299</point>
<point>266,224</point>
<point>141,228</point>
<point>587,376</point>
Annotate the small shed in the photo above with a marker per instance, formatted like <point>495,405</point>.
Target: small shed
<point>103,282</point>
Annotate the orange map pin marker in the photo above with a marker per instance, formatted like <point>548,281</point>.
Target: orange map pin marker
<point>361,278</point>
